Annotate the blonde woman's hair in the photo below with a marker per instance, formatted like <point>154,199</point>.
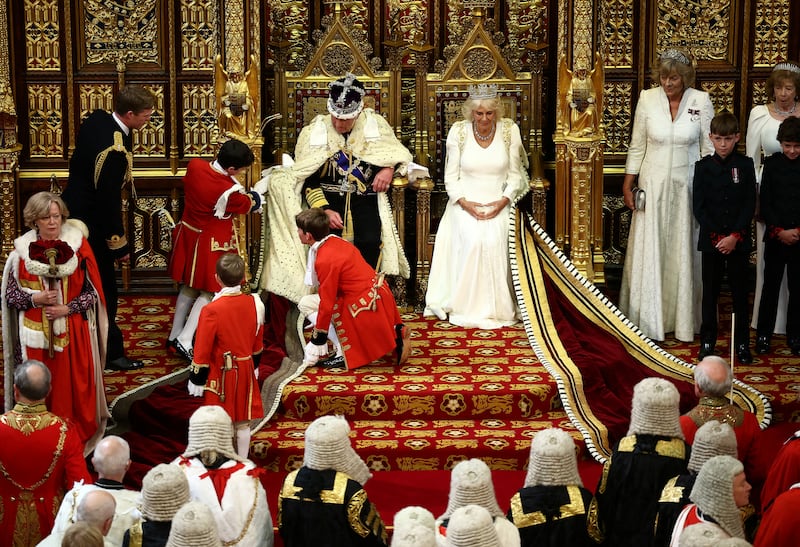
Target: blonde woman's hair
<point>38,206</point>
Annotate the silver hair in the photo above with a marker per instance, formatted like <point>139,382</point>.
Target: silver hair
<point>111,456</point>
<point>708,385</point>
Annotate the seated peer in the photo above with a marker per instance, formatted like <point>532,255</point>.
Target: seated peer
<point>720,490</point>
<point>95,508</point>
<point>471,484</point>
<point>712,385</point>
<point>165,489</point>
<point>626,500</point>
<point>552,508</point>
<point>472,526</point>
<point>111,460</point>
<point>225,482</point>
<point>712,439</point>
<point>324,502</point>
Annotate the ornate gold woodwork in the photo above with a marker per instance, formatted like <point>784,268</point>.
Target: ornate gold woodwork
<point>771,42</point>
<point>43,34</point>
<point>705,27</point>
<point>760,92</point>
<point>149,140</point>
<point>152,249</point>
<point>619,22</point>
<point>120,33</point>
<point>199,119</point>
<point>93,97</point>
<point>618,218</point>
<point>45,121</point>
<point>579,138</point>
<point>617,115</point>
<point>722,94</point>
<point>198,34</point>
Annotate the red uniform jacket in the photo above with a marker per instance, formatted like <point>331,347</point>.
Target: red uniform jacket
<point>200,238</point>
<point>40,459</point>
<point>234,324</point>
<point>363,311</point>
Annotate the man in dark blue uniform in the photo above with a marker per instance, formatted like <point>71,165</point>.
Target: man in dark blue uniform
<point>100,167</point>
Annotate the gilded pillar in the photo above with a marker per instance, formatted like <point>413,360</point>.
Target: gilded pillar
<point>10,148</point>
<point>580,140</point>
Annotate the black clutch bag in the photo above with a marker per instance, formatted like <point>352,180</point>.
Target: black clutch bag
<point>639,198</point>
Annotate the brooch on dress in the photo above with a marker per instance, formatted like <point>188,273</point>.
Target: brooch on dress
<point>694,113</point>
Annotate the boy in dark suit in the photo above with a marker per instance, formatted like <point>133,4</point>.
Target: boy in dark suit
<point>724,202</point>
<point>780,210</point>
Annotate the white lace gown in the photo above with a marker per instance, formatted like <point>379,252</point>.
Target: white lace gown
<point>661,283</point>
<point>470,279</point>
<point>762,141</point>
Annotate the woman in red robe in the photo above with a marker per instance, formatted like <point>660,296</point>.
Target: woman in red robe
<point>54,311</point>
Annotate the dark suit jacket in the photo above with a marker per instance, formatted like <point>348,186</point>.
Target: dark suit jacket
<point>99,169</point>
<point>724,199</point>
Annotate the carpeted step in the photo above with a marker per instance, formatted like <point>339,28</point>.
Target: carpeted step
<point>513,390</point>
<point>416,443</point>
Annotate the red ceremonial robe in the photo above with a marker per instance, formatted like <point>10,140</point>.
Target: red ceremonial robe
<point>41,457</point>
<point>780,526</point>
<point>360,305</point>
<point>200,238</point>
<point>231,323</point>
<point>77,364</point>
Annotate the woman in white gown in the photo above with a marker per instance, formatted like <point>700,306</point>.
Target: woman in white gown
<point>661,286</point>
<point>762,130</point>
<point>485,175</point>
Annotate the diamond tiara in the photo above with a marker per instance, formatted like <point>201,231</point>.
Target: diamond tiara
<point>791,67</point>
<point>482,91</point>
<point>675,55</point>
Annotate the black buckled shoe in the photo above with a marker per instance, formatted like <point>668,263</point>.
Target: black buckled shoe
<point>794,345</point>
<point>124,364</point>
<point>743,354</point>
<point>187,354</point>
<point>762,344</point>
<point>706,349</point>
<point>334,361</point>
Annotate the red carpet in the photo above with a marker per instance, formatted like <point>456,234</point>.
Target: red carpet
<point>462,394</point>
<point>502,357</point>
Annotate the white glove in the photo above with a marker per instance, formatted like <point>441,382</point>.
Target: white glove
<point>195,390</point>
<point>262,186</point>
<point>255,371</point>
<point>314,352</point>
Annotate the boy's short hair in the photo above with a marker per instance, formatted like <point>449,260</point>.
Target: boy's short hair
<point>789,130</point>
<point>235,154</point>
<point>230,269</point>
<point>724,124</point>
<point>314,221</point>
<point>133,98</point>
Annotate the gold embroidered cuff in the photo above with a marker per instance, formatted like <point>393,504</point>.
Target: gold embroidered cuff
<point>316,198</point>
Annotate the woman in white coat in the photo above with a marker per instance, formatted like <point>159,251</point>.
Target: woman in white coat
<point>661,286</point>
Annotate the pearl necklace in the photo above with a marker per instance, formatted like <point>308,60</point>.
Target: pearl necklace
<point>483,138</point>
<point>784,112</point>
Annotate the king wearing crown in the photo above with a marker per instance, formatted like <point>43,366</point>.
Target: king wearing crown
<point>345,161</point>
